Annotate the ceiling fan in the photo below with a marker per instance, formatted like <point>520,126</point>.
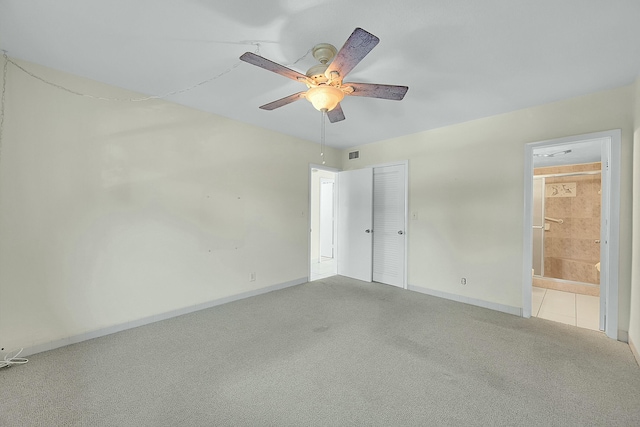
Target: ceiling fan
<point>324,81</point>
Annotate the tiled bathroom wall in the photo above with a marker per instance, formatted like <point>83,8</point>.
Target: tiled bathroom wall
<point>572,249</point>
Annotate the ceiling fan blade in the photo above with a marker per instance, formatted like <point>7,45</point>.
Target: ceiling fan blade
<point>282,102</point>
<point>369,90</point>
<point>336,115</point>
<point>261,62</point>
<point>357,46</point>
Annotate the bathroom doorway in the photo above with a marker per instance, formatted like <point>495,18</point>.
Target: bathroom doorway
<point>567,202</point>
<point>571,235</point>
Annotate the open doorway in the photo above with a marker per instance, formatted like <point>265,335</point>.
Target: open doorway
<point>567,199</point>
<point>571,231</point>
<point>322,247</point>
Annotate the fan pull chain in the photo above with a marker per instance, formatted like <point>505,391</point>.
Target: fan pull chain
<point>322,134</point>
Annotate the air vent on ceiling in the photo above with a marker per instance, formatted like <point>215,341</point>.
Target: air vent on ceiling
<point>354,155</point>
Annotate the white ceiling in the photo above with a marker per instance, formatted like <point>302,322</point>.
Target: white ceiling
<point>461,59</point>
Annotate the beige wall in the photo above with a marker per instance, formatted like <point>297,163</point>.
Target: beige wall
<point>634,324</point>
<point>111,212</point>
<point>466,191</point>
<point>117,211</point>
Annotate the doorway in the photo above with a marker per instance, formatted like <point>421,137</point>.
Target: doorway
<point>571,230</point>
<point>322,228</point>
<point>327,219</point>
<point>567,201</point>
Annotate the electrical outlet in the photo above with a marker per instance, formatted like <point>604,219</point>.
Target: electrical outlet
<point>252,277</point>
<point>463,281</point>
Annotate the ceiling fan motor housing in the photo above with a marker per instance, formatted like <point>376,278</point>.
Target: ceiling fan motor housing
<point>316,73</point>
<point>324,53</point>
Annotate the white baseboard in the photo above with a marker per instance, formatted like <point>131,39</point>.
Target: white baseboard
<point>156,318</point>
<point>516,311</point>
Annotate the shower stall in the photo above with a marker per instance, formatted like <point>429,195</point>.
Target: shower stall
<point>566,228</point>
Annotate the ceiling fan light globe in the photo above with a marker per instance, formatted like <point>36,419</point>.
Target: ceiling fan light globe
<point>324,97</point>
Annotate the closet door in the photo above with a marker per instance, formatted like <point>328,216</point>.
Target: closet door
<point>355,198</point>
<point>389,218</point>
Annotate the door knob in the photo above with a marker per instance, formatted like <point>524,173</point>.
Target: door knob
<point>367,231</point>
<point>400,232</point>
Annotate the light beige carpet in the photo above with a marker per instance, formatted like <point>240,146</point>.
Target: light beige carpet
<point>331,353</point>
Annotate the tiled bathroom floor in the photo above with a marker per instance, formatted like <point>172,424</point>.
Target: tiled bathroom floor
<point>578,310</point>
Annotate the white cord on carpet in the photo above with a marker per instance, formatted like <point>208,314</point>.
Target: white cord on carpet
<point>13,360</point>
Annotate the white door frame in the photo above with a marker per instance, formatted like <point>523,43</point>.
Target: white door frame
<point>610,222</point>
<point>313,166</point>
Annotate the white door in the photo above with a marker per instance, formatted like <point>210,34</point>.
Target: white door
<point>326,218</point>
<point>355,202</point>
<point>389,225</point>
